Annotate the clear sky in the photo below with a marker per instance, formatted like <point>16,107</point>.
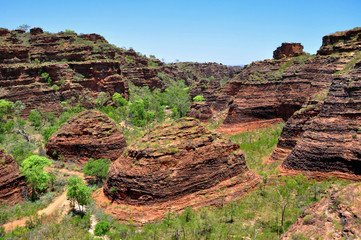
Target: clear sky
<point>232,32</point>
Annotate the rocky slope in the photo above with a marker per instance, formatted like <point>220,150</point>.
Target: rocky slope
<point>175,166</point>
<point>12,183</point>
<point>88,135</point>
<point>335,217</point>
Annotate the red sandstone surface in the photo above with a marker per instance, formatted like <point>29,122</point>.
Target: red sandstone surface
<point>12,183</point>
<point>90,134</point>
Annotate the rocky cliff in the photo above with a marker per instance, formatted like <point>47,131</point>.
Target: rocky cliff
<point>331,142</point>
<point>88,135</point>
<point>321,139</point>
<point>175,166</point>
<point>12,183</point>
<point>273,90</point>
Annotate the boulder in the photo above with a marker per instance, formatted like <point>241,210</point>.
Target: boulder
<point>35,31</point>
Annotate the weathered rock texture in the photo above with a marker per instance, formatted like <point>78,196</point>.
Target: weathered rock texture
<point>83,65</point>
<point>287,50</point>
<point>331,143</point>
<point>12,183</point>
<point>335,217</point>
<point>272,90</point>
<point>346,41</point>
<point>175,166</point>
<point>88,135</point>
<point>201,111</point>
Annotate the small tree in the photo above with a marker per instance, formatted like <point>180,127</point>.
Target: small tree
<point>102,99</point>
<point>78,192</point>
<point>97,168</point>
<point>33,170</point>
<point>24,27</point>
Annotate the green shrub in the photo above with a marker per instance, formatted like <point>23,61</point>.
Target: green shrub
<point>102,228</point>
<point>97,168</point>
<point>198,98</point>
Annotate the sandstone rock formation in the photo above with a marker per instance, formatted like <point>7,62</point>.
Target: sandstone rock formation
<point>88,135</point>
<point>287,50</point>
<point>346,41</point>
<point>335,217</point>
<point>332,144</point>
<point>201,111</point>
<point>175,166</point>
<point>12,183</point>
<point>81,66</point>
<point>272,90</point>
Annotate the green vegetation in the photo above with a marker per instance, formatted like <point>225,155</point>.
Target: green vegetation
<point>257,145</point>
<point>97,168</point>
<point>101,228</point>
<point>198,98</point>
<point>33,170</point>
<point>78,192</point>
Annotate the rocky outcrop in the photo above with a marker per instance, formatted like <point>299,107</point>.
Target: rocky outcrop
<point>35,31</point>
<point>346,41</point>
<point>331,143</point>
<point>295,127</point>
<point>287,50</point>
<point>88,135</point>
<point>176,165</point>
<point>334,217</point>
<point>200,111</point>
<point>12,184</point>
<point>273,90</point>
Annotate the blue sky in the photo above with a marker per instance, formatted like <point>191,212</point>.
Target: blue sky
<point>231,32</point>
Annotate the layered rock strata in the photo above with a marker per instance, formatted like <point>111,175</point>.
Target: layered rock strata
<point>88,135</point>
<point>331,144</point>
<point>12,184</point>
<point>175,166</point>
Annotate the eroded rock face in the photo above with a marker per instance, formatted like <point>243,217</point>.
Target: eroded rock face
<point>287,50</point>
<point>272,90</point>
<point>12,183</point>
<point>88,135</point>
<point>335,217</point>
<point>200,111</point>
<point>172,161</point>
<point>346,41</point>
<point>332,142</point>
<point>83,65</point>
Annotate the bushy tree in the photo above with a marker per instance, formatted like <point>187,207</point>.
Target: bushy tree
<point>101,228</point>
<point>35,118</point>
<point>119,100</point>
<point>97,168</point>
<point>33,170</point>
<point>178,98</point>
<point>78,192</point>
